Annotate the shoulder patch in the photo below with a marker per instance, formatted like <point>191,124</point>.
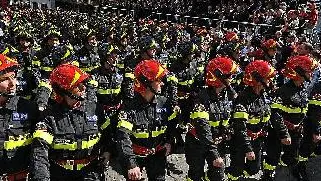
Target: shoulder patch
<point>240,108</point>
<point>199,107</point>
<point>122,115</point>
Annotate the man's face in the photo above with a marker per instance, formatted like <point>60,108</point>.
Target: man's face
<point>157,85</point>
<point>79,90</point>
<point>112,60</point>
<point>302,50</point>
<point>151,52</point>
<point>8,83</point>
<point>24,43</point>
<point>92,41</point>
<point>53,42</point>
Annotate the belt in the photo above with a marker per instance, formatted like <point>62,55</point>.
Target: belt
<point>75,164</point>
<point>143,151</point>
<point>256,135</point>
<point>217,140</point>
<point>183,95</point>
<point>293,127</point>
<point>193,132</point>
<point>114,107</point>
<point>22,175</point>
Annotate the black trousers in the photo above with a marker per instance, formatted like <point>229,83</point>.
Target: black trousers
<point>195,157</point>
<point>155,166</point>
<point>274,147</point>
<point>238,162</point>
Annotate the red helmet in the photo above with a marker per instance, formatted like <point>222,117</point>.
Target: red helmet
<point>224,65</point>
<point>257,71</point>
<point>146,72</point>
<point>297,66</point>
<point>231,36</point>
<point>7,64</point>
<point>269,44</point>
<point>67,76</point>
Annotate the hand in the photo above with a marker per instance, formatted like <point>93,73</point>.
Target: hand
<point>105,157</point>
<point>286,141</point>
<point>219,162</point>
<point>316,138</point>
<point>134,174</point>
<point>168,148</point>
<point>250,155</point>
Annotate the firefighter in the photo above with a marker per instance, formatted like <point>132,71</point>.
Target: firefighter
<point>146,124</point>
<point>88,55</point>
<point>249,120</point>
<point>189,80</point>
<point>28,78</point>
<point>289,106</point>
<point>208,136</point>
<point>51,54</point>
<point>18,118</point>
<point>66,141</point>
<point>112,90</point>
<point>311,135</point>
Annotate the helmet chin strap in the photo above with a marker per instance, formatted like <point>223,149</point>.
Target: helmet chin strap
<point>4,94</point>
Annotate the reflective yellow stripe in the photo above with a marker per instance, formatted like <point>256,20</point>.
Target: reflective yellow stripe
<point>258,120</point>
<point>201,69</point>
<point>281,163</point>
<point>172,78</point>
<point>244,115</point>
<point>94,83</point>
<point>266,119</point>
<point>288,109</point>
<point>106,124</point>
<point>75,63</point>
<point>201,115</point>
<point>70,166</point>
<point>206,177</point>
<point>157,133</point>
<point>172,116</point>
<point>67,54</point>
<point>121,65</point>
<point>65,146</point>
<point>214,123</point>
<point>225,122</point>
<point>187,82</point>
<point>91,142</point>
<point>188,179</point>
<point>43,134</point>
<point>18,141</point>
<point>80,166</point>
<point>231,177</point>
<point>47,69</point>
<point>109,91</point>
<point>6,51</point>
<point>315,102</point>
<point>89,69</point>
<point>246,174</point>
<point>141,134</point>
<point>267,166</point>
<point>217,123</point>
<point>125,124</point>
<point>45,84</point>
<point>303,159</point>
<point>130,75</point>
<point>36,63</point>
